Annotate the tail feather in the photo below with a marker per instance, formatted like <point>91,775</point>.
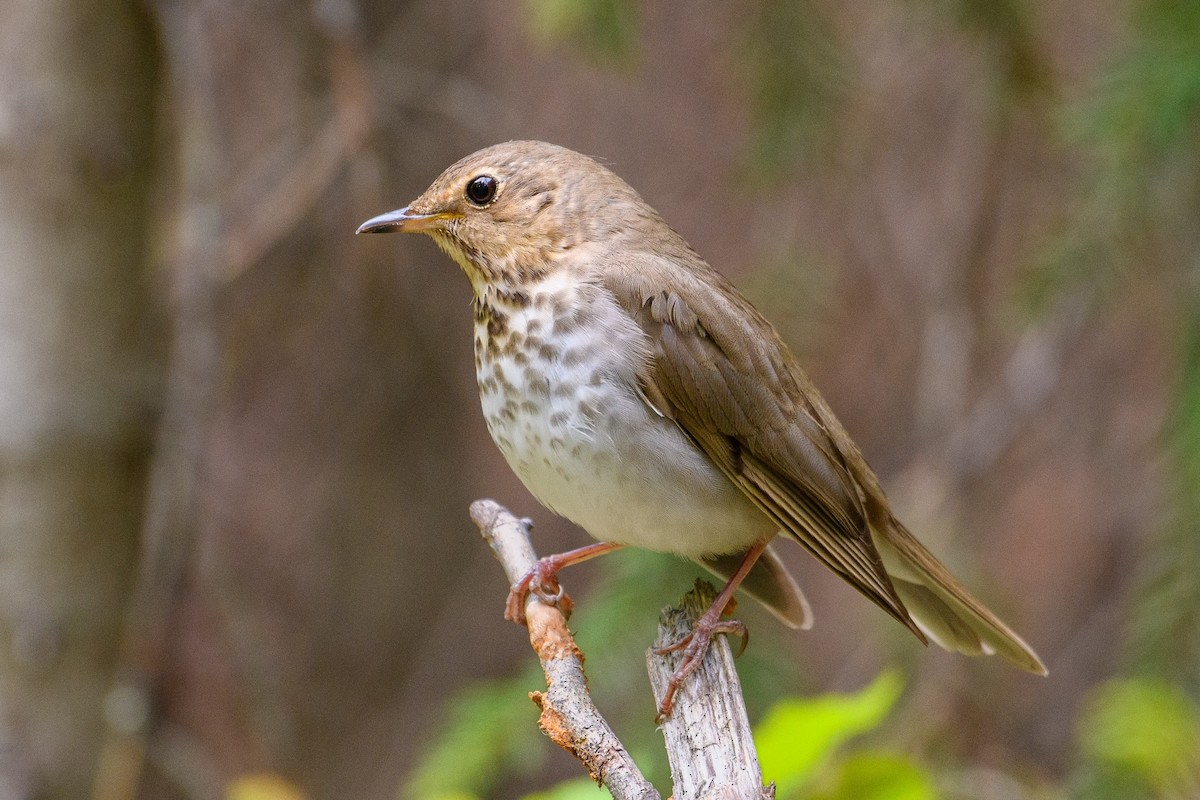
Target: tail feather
<point>943,608</point>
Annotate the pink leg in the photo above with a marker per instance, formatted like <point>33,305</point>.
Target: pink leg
<point>695,644</point>
<point>542,578</point>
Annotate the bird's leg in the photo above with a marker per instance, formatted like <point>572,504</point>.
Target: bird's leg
<point>695,644</point>
<point>542,579</point>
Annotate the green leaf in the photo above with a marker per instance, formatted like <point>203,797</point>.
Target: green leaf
<point>878,776</point>
<point>1006,28</point>
<point>797,75</point>
<point>1166,629</point>
<point>1147,727</point>
<point>262,786</point>
<point>578,789</point>
<point>603,29</point>
<point>492,733</point>
<point>1136,129</point>
<point>799,735</point>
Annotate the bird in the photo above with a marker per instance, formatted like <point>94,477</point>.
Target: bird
<point>636,392</point>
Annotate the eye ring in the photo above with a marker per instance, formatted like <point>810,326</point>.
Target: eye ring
<point>481,190</point>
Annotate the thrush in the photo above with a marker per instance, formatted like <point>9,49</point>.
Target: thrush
<point>637,393</point>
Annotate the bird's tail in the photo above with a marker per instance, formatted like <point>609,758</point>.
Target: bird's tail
<point>943,608</point>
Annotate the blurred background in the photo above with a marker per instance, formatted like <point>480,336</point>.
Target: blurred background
<point>237,444</point>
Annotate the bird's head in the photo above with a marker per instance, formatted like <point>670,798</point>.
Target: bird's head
<point>509,212</point>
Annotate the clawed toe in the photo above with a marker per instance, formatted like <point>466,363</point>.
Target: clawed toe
<point>692,648</point>
<point>541,580</point>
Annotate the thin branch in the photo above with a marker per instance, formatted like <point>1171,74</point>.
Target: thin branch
<point>568,715</point>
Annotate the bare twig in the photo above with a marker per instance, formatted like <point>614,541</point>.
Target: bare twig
<point>708,737</point>
<point>568,715</point>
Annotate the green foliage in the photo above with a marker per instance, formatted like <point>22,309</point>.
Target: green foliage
<point>875,776</point>
<point>1142,738</point>
<point>796,75</point>
<point>1150,727</point>
<point>799,738</point>
<point>1141,132</point>
<point>578,789</point>
<point>262,786</point>
<point>1005,25</point>
<point>1138,131</point>
<point>1138,134</point>
<point>1141,124</point>
<point>860,776</point>
<point>491,733</point>
<point>602,29</point>
<point>1166,630</point>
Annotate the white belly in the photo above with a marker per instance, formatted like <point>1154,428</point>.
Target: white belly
<point>576,432</point>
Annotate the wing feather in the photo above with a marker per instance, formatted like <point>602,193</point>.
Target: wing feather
<point>718,370</point>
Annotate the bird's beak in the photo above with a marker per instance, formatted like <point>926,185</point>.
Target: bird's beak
<point>403,220</point>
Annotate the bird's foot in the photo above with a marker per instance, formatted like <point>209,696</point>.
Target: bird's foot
<point>541,580</point>
<point>692,649</point>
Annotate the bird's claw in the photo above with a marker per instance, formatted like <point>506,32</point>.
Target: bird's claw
<point>692,649</point>
<point>541,580</point>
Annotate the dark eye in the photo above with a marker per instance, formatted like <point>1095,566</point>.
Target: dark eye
<point>481,190</point>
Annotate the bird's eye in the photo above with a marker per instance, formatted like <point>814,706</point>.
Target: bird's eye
<point>481,190</point>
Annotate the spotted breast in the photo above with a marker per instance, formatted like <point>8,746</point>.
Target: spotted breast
<point>559,394</point>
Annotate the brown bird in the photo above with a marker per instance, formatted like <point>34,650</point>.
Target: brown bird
<point>637,393</point>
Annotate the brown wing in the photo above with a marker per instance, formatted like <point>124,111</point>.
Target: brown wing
<point>718,369</point>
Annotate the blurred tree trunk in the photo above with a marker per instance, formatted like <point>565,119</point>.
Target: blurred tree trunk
<point>78,374</point>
